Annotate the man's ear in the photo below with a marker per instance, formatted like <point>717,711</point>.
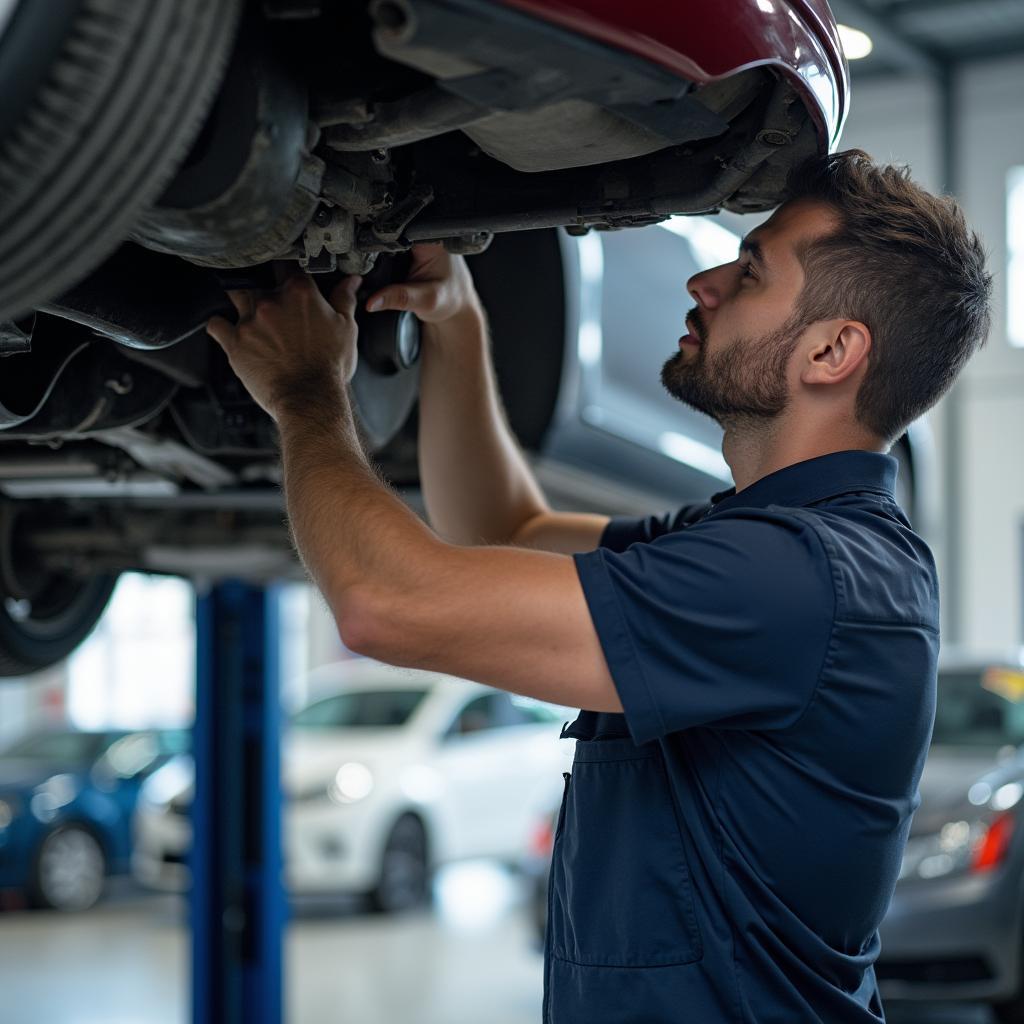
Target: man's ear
<point>840,348</point>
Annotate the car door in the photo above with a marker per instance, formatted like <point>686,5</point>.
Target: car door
<point>493,759</point>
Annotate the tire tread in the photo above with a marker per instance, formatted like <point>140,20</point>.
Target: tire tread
<point>117,114</point>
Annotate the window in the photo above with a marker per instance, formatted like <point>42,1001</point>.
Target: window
<point>370,709</point>
<point>1015,253</point>
<point>486,712</point>
<point>980,708</point>
<point>57,746</point>
<point>501,711</point>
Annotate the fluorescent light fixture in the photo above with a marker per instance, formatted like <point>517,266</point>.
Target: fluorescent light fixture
<point>589,341</point>
<point>1015,246</point>
<point>856,44</point>
<point>694,453</point>
<point>712,244</point>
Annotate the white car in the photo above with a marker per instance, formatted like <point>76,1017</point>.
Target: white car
<point>392,773</point>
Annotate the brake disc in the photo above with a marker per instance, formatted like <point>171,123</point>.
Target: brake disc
<point>386,382</point>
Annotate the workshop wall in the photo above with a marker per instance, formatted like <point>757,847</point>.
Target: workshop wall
<point>991,100</point>
<point>899,119</point>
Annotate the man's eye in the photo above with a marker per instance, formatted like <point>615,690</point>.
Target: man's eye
<point>745,271</point>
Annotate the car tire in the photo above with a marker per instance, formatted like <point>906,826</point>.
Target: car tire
<point>404,881</point>
<point>37,633</point>
<point>1009,1012</point>
<point>69,871</point>
<point>103,99</point>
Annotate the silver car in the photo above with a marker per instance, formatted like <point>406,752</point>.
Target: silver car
<point>955,926</point>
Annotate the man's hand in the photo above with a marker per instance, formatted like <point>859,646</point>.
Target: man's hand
<point>291,344</point>
<point>439,287</point>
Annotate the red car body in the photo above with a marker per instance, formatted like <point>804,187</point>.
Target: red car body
<point>703,41</point>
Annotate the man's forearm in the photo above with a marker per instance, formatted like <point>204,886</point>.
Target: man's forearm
<point>477,486</point>
<point>351,532</point>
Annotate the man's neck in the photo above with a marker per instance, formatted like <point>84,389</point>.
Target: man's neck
<point>757,448</point>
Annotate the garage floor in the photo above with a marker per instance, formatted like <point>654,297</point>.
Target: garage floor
<point>127,962</point>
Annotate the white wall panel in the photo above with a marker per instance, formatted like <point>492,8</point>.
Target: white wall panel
<point>898,119</point>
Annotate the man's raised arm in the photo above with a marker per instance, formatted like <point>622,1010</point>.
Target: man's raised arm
<point>477,485</point>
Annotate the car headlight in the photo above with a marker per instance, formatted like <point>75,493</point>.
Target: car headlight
<point>170,786</point>
<point>353,781</point>
<point>7,812</point>
<point>53,794</point>
<point>959,847</point>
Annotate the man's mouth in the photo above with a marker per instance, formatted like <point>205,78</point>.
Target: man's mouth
<point>691,338</point>
<point>695,325</point>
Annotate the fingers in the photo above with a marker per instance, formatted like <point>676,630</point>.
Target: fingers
<point>417,297</point>
<point>243,301</point>
<point>343,295</point>
<point>221,330</point>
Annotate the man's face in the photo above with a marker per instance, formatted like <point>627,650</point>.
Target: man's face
<point>734,363</point>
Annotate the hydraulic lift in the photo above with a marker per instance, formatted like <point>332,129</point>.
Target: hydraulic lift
<point>237,907</point>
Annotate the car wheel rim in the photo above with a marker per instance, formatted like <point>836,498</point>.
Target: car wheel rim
<point>71,870</point>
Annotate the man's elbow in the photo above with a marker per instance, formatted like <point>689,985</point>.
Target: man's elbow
<point>369,623</point>
<point>357,617</point>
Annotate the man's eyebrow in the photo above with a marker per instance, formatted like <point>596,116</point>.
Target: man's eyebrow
<point>753,246</point>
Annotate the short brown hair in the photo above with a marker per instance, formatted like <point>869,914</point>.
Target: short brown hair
<point>904,263</point>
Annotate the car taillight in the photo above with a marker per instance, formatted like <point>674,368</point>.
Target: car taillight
<point>993,846</point>
<point>542,840</point>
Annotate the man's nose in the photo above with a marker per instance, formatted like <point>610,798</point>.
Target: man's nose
<point>705,288</point>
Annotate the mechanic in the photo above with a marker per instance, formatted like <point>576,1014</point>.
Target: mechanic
<point>756,674</point>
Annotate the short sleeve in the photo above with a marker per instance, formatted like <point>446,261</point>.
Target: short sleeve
<point>724,624</point>
<point>622,531</point>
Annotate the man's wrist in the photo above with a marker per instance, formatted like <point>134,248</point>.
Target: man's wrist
<point>318,401</point>
<point>466,327</point>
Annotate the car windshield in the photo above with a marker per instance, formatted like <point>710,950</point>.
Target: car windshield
<point>980,708</point>
<point>57,746</point>
<point>364,709</point>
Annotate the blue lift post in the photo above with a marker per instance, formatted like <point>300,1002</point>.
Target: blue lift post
<point>237,903</point>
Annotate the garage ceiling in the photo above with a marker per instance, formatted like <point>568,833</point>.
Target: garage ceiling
<point>926,36</point>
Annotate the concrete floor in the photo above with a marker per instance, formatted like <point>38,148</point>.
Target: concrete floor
<point>470,959</point>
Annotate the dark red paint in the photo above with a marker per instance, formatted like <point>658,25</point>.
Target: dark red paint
<point>705,39</point>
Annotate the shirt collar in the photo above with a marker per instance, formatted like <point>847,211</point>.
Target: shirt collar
<point>805,483</point>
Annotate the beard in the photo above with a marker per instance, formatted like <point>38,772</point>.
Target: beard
<point>746,380</point>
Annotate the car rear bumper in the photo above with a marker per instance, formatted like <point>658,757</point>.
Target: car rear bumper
<point>957,938</point>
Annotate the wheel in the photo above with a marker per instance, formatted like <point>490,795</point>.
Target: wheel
<point>405,870</point>
<point>39,631</point>
<point>44,613</point>
<point>1010,1012</point>
<point>69,870</point>
<point>102,99</point>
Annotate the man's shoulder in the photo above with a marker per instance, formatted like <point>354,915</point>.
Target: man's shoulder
<point>883,570</point>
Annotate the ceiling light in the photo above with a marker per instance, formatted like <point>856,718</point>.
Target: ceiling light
<point>856,44</point>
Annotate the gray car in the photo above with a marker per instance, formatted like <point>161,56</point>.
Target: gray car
<point>955,925</point>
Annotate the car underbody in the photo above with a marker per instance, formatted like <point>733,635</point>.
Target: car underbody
<point>334,137</point>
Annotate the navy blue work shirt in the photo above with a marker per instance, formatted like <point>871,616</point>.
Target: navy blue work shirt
<point>727,847</point>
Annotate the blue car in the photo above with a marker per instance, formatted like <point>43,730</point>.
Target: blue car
<point>66,804</point>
